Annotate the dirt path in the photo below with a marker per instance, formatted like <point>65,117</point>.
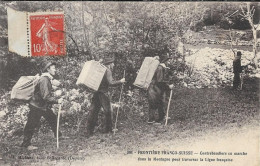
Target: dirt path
<point>202,120</point>
<point>218,141</point>
<point>232,139</point>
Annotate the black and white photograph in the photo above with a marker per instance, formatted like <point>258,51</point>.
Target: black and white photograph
<point>110,83</point>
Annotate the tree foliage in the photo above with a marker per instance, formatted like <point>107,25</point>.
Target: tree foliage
<point>122,29</point>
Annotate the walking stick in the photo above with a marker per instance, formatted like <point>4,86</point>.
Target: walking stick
<point>58,120</point>
<point>167,114</point>
<point>115,129</point>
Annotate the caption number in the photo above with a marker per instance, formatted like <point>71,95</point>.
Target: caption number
<point>37,47</point>
<point>129,152</point>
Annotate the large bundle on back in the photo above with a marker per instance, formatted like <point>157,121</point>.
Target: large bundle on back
<point>24,88</point>
<point>91,75</point>
<point>146,72</point>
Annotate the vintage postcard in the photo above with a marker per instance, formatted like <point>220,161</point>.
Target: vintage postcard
<point>129,83</point>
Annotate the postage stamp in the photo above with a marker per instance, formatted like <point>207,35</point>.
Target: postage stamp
<point>47,34</point>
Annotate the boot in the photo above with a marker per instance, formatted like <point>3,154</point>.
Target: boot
<point>32,147</point>
<point>160,119</point>
<point>151,121</point>
<point>26,142</point>
<point>108,128</point>
<point>88,134</point>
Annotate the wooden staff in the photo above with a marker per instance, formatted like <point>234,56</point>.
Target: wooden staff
<point>168,107</point>
<point>115,129</point>
<point>58,120</point>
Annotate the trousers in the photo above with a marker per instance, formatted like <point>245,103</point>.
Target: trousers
<point>153,107</point>
<point>99,100</point>
<point>33,122</point>
<point>236,80</point>
<point>156,100</point>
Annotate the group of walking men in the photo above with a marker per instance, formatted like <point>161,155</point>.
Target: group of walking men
<point>41,103</point>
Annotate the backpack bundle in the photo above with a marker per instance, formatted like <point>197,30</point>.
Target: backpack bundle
<point>24,88</point>
<point>91,75</point>
<point>146,72</point>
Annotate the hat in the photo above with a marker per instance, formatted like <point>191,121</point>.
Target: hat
<point>164,58</point>
<point>107,61</point>
<point>46,65</point>
<point>239,53</point>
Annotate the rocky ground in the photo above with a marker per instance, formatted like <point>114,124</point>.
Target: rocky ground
<point>210,58</point>
<point>213,67</point>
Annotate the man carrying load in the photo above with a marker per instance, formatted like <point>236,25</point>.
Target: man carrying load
<point>100,99</point>
<point>157,90</point>
<point>40,105</point>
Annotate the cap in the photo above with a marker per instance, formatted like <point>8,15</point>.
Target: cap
<point>107,61</point>
<point>46,65</point>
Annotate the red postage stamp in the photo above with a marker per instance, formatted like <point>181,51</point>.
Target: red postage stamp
<point>47,35</point>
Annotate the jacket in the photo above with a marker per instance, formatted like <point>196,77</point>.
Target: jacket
<point>107,81</point>
<point>43,98</point>
<point>158,85</point>
<point>237,68</point>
